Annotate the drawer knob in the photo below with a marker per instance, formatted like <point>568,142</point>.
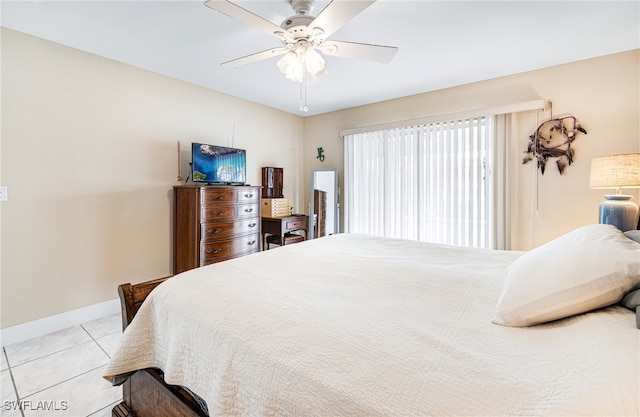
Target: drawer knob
<point>248,210</point>
<point>253,224</point>
<point>216,250</point>
<point>253,242</point>
<point>248,195</point>
<point>216,230</point>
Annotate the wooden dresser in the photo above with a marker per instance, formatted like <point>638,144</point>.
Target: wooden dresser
<point>213,224</point>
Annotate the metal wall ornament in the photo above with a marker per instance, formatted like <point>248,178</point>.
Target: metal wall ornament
<point>553,139</point>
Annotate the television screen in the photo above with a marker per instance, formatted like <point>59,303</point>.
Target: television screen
<point>218,165</point>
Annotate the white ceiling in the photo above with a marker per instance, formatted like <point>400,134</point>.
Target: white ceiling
<point>441,43</point>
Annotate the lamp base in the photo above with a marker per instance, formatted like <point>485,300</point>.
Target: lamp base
<point>619,211</point>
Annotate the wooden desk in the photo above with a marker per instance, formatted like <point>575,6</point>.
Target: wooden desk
<point>279,226</point>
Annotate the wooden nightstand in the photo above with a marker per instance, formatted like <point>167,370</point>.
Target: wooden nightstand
<point>281,228</point>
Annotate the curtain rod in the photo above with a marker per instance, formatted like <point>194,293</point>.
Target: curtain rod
<point>538,104</point>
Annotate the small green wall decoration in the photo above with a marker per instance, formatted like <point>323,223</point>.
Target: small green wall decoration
<point>320,154</point>
<point>553,139</point>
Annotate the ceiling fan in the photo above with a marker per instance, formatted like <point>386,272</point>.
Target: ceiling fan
<point>302,35</point>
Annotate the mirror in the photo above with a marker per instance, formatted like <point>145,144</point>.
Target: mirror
<point>324,209</point>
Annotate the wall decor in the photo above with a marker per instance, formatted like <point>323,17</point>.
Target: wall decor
<point>553,139</point>
<point>320,154</point>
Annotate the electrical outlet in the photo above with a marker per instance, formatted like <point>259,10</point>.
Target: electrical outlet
<point>4,193</point>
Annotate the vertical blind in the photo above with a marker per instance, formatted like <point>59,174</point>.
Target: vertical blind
<point>428,182</point>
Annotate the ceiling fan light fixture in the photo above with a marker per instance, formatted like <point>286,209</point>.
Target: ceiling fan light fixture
<point>303,57</point>
<point>291,66</point>
<point>314,63</point>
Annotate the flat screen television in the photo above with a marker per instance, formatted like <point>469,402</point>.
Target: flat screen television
<point>212,164</point>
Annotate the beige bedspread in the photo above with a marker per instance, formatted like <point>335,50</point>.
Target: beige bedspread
<point>352,325</point>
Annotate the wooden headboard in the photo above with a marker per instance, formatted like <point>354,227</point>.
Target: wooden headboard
<point>132,296</point>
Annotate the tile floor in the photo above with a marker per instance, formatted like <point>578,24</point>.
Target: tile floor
<point>60,374</point>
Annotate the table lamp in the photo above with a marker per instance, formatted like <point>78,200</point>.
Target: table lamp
<point>617,171</point>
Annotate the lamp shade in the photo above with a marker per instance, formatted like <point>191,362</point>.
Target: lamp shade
<point>617,171</point>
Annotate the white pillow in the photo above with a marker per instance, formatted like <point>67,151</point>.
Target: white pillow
<point>591,267</point>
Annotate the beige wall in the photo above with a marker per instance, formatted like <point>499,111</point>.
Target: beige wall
<point>89,153</point>
<point>602,93</point>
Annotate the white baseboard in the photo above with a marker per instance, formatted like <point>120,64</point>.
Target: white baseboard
<point>46,325</point>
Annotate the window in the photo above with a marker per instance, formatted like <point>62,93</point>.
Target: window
<point>428,182</point>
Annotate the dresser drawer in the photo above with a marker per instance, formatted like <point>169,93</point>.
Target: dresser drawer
<point>210,196</point>
<point>295,224</point>
<point>228,248</point>
<point>229,211</point>
<point>247,195</point>
<point>248,210</point>
<point>204,262</point>
<point>221,230</point>
<point>214,196</point>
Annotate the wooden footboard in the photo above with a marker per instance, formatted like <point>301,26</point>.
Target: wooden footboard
<point>132,297</point>
<point>145,394</point>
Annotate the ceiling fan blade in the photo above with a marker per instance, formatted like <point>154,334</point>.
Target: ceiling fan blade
<point>337,13</point>
<point>259,56</point>
<point>365,51</point>
<point>245,16</point>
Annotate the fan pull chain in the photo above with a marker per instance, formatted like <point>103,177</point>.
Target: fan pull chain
<point>303,93</point>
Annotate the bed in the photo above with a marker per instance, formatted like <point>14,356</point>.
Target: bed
<point>353,325</point>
